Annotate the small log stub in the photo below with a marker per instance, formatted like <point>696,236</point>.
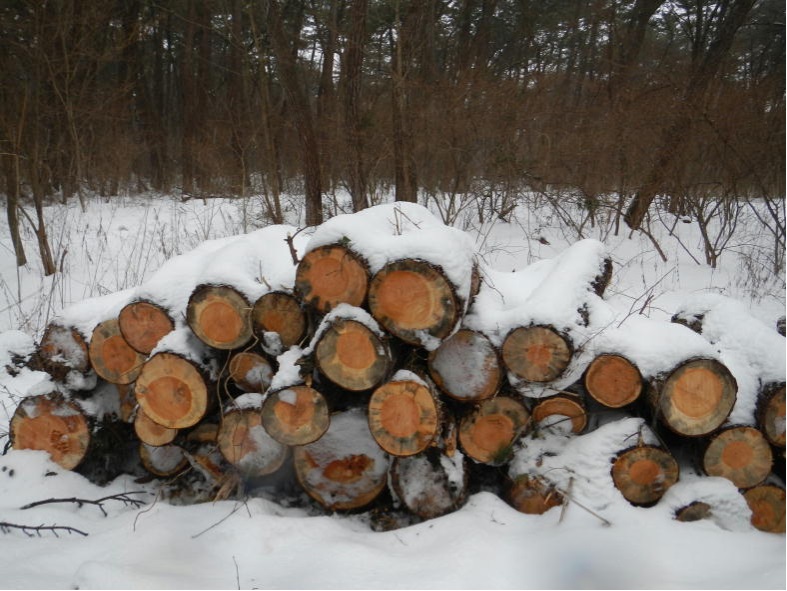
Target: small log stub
<point>770,414</point>
<point>767,504</point>
<point>53,424</point>
<point>279,312</point>
<point>172,391</point>
<point>127,402</point>
<point>163,460</point>
<point>404,417</point>
<point>643,474</point>
<point>488,433</point>
<point>413,300</point>
<point>143,324</point>
<point>696,398</point>
<point>297,415</point>
<point>563,412</point>
<point>613,381</point>
<point>740,454</point>
<point>111,356</point>
<point>695,511</point>
<point>251,372</point>
<point>151,432</point>
<point>245,443</point>
<point>532,495</point>
<point>220,316</point>
<point>345,468</point>
<point>352,356</point>
<point>466,366</point>
<point>63,349</point>
<point>330,275</point>
<point>430,484</point>
<point>536,353</point>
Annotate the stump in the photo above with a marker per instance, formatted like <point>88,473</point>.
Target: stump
<point>53,424</point>
<point>111,356</point>
<point>696,398</point>
<point>220,316</point>
<point>466,366</point>
<point>297,415</point>
<point>143,324</point>
<point>532,495</point>
<point>643,474</point>
<point>536,353</point>
<point>152,433</point>
<point>430,484</point>
<point>740,454</point>
<point>164,460</point>
<point>330,275</point>
<point>404,416</point>
<point>613,381</point>
<point>345,468</point>
<point>487,434</point>
<point>352,356</point>
<point>767,503</point>
<point>562,411</point>
<point>280,313</point>
<point>250,372</point>
<point>770,414</point>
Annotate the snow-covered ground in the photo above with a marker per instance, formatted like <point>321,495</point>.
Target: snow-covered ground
<point>599,542</point>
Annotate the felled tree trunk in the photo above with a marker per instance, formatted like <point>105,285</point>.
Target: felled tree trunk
<point>279,313</point>
<point>771,414</point>
<point>143,324</point>
<point>331,275</point>
<point>740,454</point>
<point>767,504</point>
<point>613,381</point>
<point>250,372</point>
<point>297,415</point>
<point>643,474</point>
<point>695,398</point>
<point>532,495</point>
<point>111,356</point>
<point>563,412</point>
<point>62,350</point>
<point>536,353</point>
<point>487,434</point>
<point>220,316</point>
<point>345,468</point>
<point>466,367</point>
<point>150,432</point>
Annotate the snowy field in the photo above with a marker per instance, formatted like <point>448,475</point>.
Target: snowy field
<point>601,541</point>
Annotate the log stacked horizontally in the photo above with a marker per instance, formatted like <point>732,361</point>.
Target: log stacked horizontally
<point>375,361</point>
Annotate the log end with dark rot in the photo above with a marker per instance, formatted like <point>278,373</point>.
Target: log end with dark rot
<point>245,443</point>
<point>563,413</point>
<point>771,415</point>
<point>143,324</point>
<point>613,381</point>
<point>430,484</point>
<point>466,367</point>
<point>331,275</point>
<point>164,460</point>
<point>220,316</point>
<point>533,495</point>
<point>62,350</point>
<point>297,415</point>
<point>414,301</point>
<point>767,504</point>
<point>152,433</point>
<point>172,391</point>
<point>404,417</point>
<point>643,474</point>
<point>739,454</point>
<point>280,313</point>
<point>250,372</point>
<point>52,424</point>
<point>352,356</point>
<point>488,433</point>
<point>111,356</point>
<point>536,353</point>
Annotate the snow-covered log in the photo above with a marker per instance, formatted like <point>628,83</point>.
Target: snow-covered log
<point>563,412</point>
<point>767,504</point>
<point>532,495</point>
<point>466,366</point>
<point>164,460</point>
<point>643,473</point>
<point>250,371</point>
<point>771,413</point>
<point>278,321</point>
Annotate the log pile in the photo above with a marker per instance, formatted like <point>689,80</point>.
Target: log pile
<point>376,363</point>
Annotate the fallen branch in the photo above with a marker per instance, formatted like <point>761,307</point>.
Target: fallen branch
<point>35,530</point>
<point>122,497</point>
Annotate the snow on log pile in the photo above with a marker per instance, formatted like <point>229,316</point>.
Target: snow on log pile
<point>374,362</point>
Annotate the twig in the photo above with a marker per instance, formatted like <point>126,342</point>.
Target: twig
<point>219,522</point>
<point>565,503</point>
<point>237,572</point>
<point>122,497</point>
<point>567,494</point>
<point>291,244</point>
<point>35,530</point>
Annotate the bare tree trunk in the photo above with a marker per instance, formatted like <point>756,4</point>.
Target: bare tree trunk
<point>352,71</point>
<point>404,170</point>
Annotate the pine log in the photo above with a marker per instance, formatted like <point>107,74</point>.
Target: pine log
<point>53,424</point>
<point>770,414</point>
<point>532,495</point>
<point>111,356</point>
<point>466,366</point>
<point>220,316</point>
<point>345,468</point>
<point>767,504</point>
<point>143,324</point>
<point>352,356</point>
<point>536,353</point>
<point>172,391</point>
<point>696,398</point>
<point>695,511</point>
<point>297,415</point>
<point>566,412</point>
<point>404,416</point>
<point>643,474</point>
<point>487,434</point>
<point>152,433</point>
<point>413,300</point>
<point>163,460</point>
<point>330,275</point>
<point>430,484</point>
<point>280,313</point>
<point>245,443</point>
<point>740,454</point>
<point>62,350</point>
<point>613,381</point>
<point>250,372</point>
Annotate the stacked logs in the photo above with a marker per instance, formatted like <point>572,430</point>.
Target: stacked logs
<point>383,366</point>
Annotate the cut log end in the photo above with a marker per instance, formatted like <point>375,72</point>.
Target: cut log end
<point>695,511</point>
<point>251,372</point>
<point>562,413</point>
<point>533,495</point>
<point>740,454</point>
<point>111,356</point>
<point>143,324</point>
<point>352,356</point>
<point>643,474</point>
<point>536,353</point>
<point>429,484</point>
<point>280,313</point>
<point>245,443</point>
<point>403,417</point>
<point>771,414</point>
<point>613,380</point>
<point>488,433</point>
<point>152,433</point>
<point>63,349</point>
<point>164,460</point>
<point>297,415</point>
<point>331,275</point>
<point>220,316</point>
<point>466,367</point>
<point>767,504</point>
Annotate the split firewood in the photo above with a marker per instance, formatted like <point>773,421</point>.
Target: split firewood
<point>740,454</point>
<point>613,381</point>
<point>767,504</point>
<point>278,321</point>
<point>111,357</point>
<point>331,275</point>
<point>250,371</point>
<point>643,473</point>
<point>487,434</point>
<point>532,495</point>
<point>536,353</point>
<point>466,366</point>
<point>150,432</point>
<point>220,316</point>
<point>143,324</point>
<point>771,414</point>
<point>564,412</point>
<point>297,415</point>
